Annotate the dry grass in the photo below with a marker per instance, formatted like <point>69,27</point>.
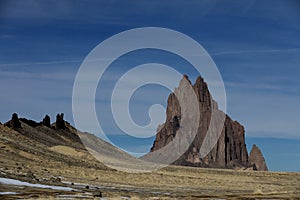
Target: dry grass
<point>19,155</point>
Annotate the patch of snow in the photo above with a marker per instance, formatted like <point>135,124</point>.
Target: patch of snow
<point>162,193</point>
<point>21,183</point>
<point>72,196</point>
<point>6,193</point>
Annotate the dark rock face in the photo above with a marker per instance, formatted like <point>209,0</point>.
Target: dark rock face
<point>14,122</point>
<point>60,122</point>
<point>46,121</point>
<point>230,150</point>
<point>257,160</point>
<point>29,122</point>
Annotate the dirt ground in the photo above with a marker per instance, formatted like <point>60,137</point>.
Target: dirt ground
<point>23,158</point>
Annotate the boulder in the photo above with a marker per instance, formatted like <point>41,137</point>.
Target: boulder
<point>97,194</point>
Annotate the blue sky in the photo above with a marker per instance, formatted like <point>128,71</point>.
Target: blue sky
<point>255,44</point>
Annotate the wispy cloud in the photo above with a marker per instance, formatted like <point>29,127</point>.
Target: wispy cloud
<point>40,63</point>
<point>255,86</point>
<point>51,62</point>
<point>258,51</point>
<point>36,75</point>
<point>71,11</point>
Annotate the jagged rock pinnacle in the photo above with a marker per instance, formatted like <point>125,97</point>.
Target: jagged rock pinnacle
<point>14,122</point>
<point>257,159</point>
<point>60,123</point>
<point>46,121</point>
<point>230,150</point>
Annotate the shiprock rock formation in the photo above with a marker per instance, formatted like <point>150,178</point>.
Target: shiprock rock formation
<point>257,159</point>
<point>230,150</point>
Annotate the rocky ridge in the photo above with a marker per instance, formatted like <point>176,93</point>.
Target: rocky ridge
<point>58,133</point>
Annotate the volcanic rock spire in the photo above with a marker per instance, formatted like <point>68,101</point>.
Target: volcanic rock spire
<point>230,150</point>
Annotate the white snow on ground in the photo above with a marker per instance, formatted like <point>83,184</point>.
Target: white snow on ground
<point>21,183</point>
<point>6,193</point>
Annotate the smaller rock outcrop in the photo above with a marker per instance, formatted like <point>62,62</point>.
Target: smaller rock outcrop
<point>257,159</point>
<point>60,122</point>
<point>46,121</point>
<point>14,122</point>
